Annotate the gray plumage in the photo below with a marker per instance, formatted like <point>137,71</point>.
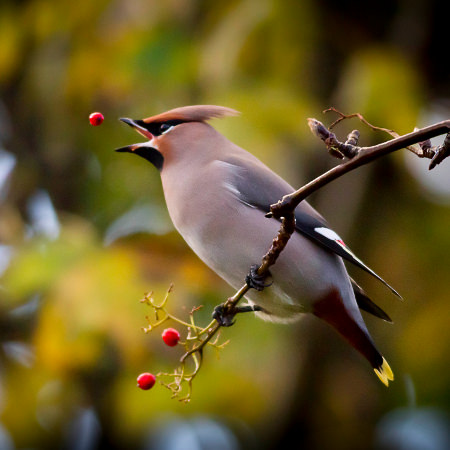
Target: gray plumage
<point>217,195</point>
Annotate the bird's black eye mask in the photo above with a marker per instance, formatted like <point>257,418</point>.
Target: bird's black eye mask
<point>149,130</point>
<point>158,128</point>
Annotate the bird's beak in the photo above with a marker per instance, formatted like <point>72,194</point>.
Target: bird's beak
<point>128,148</point>
<point>140,129</point>
<point>133,147</point>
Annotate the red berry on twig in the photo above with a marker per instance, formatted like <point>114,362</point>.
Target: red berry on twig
<point>96,119</point>
<point>171,336</point>
<point>146,381</point>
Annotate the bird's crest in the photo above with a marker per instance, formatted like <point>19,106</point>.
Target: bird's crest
<point>196,113</point>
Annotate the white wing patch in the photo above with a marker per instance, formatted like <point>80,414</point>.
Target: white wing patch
<point>329,234</point>
<point>332,235</point>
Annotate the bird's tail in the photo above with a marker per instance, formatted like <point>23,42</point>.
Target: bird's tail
<point>331,309</point>
<point>384,373</point>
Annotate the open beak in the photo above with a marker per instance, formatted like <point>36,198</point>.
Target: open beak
<point>140,129</point>
<point>128,148</point>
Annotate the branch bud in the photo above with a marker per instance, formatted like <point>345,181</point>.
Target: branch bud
<point>442,152</point>
<point>319,129</point>
<point>353,138</point>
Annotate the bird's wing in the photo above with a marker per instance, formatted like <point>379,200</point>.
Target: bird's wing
<point>258,187</point>
<point>322,234</point>
<point>366,304</point>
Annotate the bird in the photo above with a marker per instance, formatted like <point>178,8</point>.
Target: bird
<point>218,194</point>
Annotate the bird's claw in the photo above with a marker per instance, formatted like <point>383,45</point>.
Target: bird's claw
<point>225,315</point>
<point>256,281</point>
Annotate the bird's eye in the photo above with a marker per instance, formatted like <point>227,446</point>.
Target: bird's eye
<point>164,128</point>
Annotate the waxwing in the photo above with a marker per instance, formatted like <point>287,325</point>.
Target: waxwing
<point>218,194</point>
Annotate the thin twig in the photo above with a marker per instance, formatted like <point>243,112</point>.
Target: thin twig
<point>362,119</point>
<point>364,156</point>
<point>343,116</point>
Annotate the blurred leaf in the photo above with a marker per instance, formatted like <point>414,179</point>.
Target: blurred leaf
<point>382,85</point>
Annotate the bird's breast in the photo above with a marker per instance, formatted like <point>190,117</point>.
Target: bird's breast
<point>230,237</point>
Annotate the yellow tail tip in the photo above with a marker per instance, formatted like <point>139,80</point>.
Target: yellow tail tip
<point>384,373</point>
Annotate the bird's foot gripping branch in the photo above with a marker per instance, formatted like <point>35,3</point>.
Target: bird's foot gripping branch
<point>225,316</point>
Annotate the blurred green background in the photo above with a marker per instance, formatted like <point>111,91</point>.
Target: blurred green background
<point>84,231</point>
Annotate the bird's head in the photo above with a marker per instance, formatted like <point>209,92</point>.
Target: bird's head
<point>171,130</point>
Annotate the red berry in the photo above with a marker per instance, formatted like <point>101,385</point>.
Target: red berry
<point>146,381</point>
<point>96,119</point>
<point>171,337</point>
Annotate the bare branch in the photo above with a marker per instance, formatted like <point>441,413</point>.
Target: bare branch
<point>364,155</point>
<point>362,119</point>
<point>441,152</point>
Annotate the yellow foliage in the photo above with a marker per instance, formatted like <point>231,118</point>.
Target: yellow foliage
<point>61,347</point>
<point>383,85</point>
<point>11,42</point>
